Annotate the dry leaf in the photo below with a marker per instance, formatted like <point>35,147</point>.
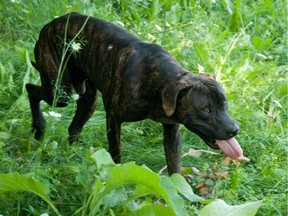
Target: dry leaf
<point>200,185</point>
<point>198,153</point>
<point>221,174</point>
<point>244,159</point>
<point>195,170</point>
<point>227,160</point>
<point>211,176</point>
<point>203,189</point>
<point>194,153</point>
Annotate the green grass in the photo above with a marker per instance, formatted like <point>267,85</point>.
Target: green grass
<point>246,50</point>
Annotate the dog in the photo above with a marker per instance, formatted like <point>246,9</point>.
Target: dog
<point>137,81</point>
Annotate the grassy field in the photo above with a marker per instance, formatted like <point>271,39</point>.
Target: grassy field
<point>244,43</point>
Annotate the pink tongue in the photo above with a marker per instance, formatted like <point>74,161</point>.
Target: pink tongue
<point>231,148</point>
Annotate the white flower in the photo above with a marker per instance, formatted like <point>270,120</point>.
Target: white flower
<point>44,214</point>
<point>76,46</point>
<point>54,114</point>
<point>110,47</point>
<point>229,10</point>
<point>75,97</point>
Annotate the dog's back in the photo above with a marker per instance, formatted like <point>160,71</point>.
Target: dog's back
<point>94,37</point>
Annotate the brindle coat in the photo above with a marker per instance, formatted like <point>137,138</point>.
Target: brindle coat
<point>137,80</point>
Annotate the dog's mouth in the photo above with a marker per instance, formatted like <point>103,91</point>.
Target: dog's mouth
<point>211,143</point>
<point>229,147</point>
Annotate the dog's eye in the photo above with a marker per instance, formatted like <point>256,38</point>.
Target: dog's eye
<point>206,110</point>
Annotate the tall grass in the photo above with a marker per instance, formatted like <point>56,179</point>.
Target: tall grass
<point>244,43</point>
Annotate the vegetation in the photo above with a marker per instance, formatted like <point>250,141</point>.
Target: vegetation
<point>244,43</point>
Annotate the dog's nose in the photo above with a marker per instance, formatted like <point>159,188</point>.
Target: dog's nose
<point>234,131</point>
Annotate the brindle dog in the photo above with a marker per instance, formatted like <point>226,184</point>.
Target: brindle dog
<point>137,80</point>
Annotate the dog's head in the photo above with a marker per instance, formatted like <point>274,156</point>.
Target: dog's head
<point>199,102</point>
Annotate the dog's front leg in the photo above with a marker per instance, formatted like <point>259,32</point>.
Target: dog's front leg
<point>172,147</point>
<point>113,134</point>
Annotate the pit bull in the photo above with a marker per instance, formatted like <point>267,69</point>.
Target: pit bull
<point>137,81</point>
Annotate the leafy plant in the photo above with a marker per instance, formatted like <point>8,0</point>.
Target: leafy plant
<point>109,190</point>
<point>129,189</point>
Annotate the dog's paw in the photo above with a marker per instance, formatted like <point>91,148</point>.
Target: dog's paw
<point>38,133</point>
<point>73,139</point>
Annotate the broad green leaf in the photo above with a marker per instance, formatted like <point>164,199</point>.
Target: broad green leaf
<point>102,157</point>
<point>142,190</point>
<point>130,173</point>
<point>146,184</point>
<point>116,197</point>
<point>11,182</point>
<point>153,209</point>
<point>93,203</point>
<point>184,188</point>
<point>174,198</point>
<point>15,181</point>
<point>220,208</point>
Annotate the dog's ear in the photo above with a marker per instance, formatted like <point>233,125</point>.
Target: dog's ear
<point>170,94</point>
<point>208,76</point>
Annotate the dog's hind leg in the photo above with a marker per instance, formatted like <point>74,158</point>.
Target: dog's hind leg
<point>38,93</point>
<point>172,147</point>
<point>48,74</point>
<point>38,121</point>
<point>86,105</point>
